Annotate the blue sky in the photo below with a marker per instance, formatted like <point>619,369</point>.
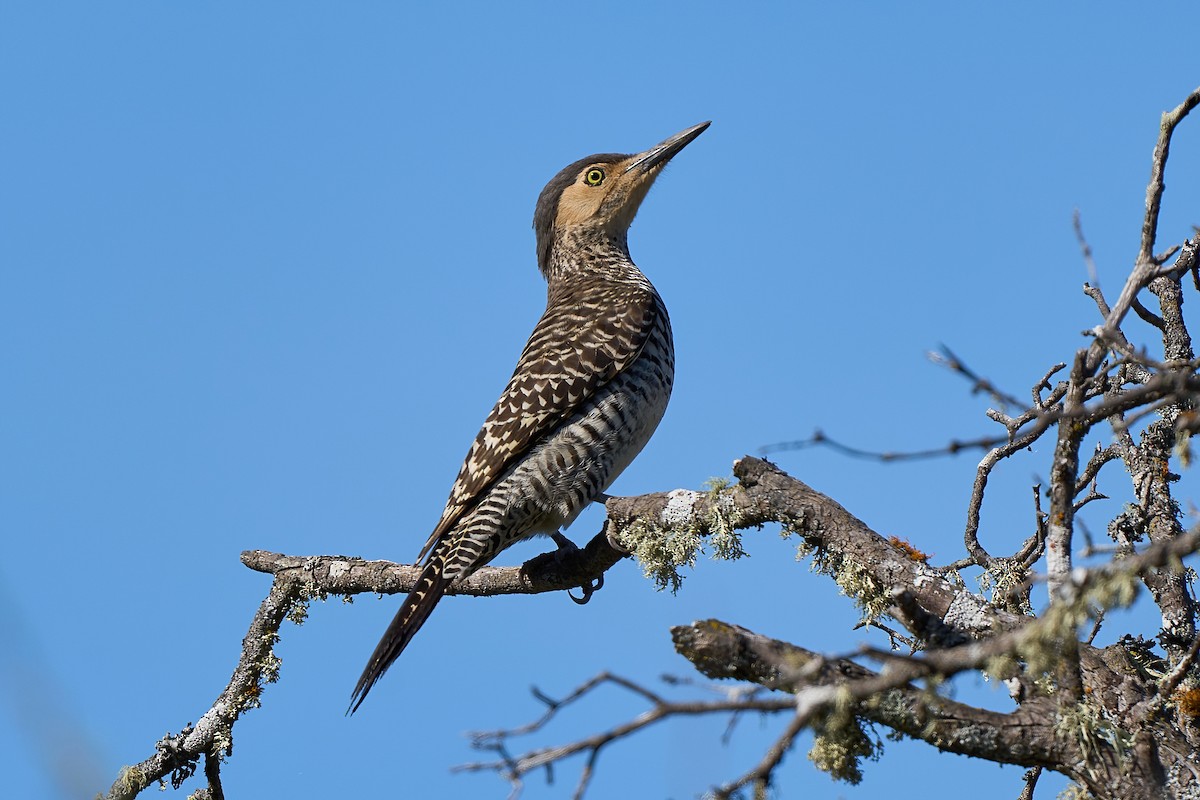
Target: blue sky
<point>264,269</point>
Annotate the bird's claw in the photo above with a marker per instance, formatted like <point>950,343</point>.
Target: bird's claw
<point>567,548</point>
<point>588,590</point>
<point>564,543</point>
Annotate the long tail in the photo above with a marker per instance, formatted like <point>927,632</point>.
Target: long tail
<point>408,620</point>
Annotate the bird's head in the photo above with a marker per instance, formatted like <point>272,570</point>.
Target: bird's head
<point>601,193</point>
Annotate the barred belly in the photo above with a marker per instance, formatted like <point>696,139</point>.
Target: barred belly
<point>550,488</point>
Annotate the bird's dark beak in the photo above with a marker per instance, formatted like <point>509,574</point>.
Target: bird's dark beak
<point>662,152</point>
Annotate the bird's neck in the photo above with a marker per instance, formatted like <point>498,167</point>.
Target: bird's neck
<point>593,253</point>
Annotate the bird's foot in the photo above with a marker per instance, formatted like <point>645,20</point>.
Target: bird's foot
<point>566,552</point>
<point>568,549</point>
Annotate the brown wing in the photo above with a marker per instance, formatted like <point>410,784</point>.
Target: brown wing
<point>587,336</point>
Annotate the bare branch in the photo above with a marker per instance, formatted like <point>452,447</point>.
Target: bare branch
<point>819,438</point>
<point>950,361</point>
<point>559,570</point>
<point>1154,191</point>
<point>1030,779</point>
<point>761,774</point>
<point>1086,250</point>
<point>1102,456</point>
<point>516,767</point>
<point>1170,682</point>
<point>1147,315</point>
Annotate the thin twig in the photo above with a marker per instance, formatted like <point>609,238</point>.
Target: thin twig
<point>946,358</point>
<point>820,439</point>
<point>1030,779</point>
<point>1154,191</point>
<point>1170,682</point>
<point>516,767</point>
<point>761,774</point>
<point>1085,249</point>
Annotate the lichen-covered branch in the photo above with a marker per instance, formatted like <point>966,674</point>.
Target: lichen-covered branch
<point>296,580</point>
<point>176,756</point>
<point>345,575</point>
<point>888,698</point>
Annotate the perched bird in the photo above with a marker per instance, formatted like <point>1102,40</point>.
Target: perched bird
<point>589,389</point>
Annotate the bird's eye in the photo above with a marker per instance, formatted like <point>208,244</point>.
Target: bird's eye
<point>594,176</point>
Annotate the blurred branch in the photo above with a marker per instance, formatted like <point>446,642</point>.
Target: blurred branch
<point>819,439</point>
<point>950,361</point>
<point>1085,249</point>
<point>514,768</point>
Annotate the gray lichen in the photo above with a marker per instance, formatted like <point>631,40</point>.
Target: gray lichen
<point>841,742</point>
<point>1086,725</point>
<point>1003,578</point>
<point>855,582</point>
<point>664,547</point>
<point>661,551</point>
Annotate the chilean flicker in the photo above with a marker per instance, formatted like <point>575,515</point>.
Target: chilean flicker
<point>588,391</point>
